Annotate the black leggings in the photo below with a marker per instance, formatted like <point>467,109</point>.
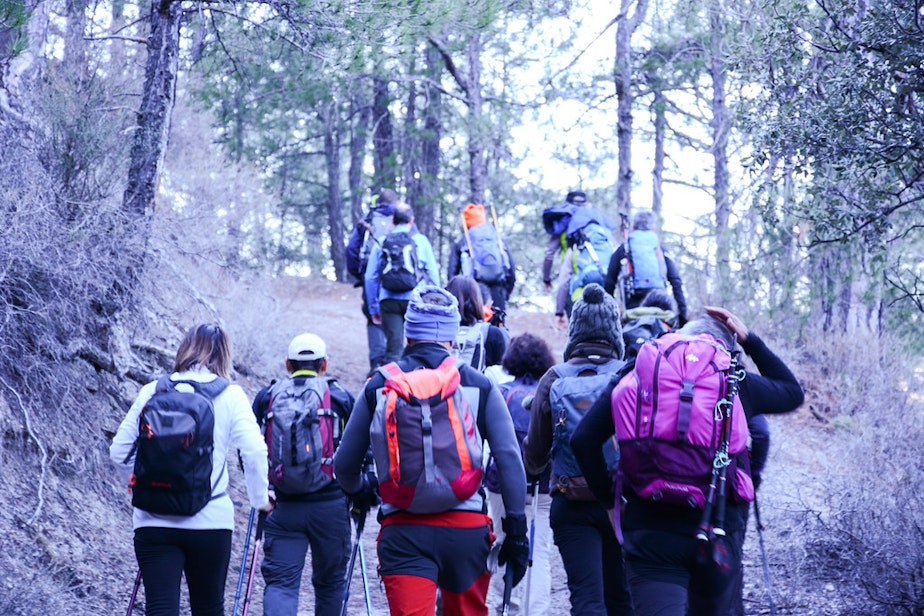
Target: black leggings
<point>164,554</point>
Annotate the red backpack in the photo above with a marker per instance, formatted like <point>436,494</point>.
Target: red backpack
<point>426,444</point>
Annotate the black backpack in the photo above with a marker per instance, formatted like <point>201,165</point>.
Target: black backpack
<point>398,268</point>
<point>638,331</point>
<point>173,453</point>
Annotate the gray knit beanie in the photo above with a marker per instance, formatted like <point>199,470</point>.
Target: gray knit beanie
<point>595,318</point>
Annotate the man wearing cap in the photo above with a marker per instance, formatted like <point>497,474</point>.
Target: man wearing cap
<point>317,519</point>
<point>496,283</point>
<point>581,526</point>
<point>420,553</point>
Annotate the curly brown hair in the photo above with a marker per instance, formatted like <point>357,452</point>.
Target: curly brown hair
<point>527,355</point>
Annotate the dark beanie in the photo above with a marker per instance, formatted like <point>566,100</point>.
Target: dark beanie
<point>595,318</point>
<point>576,197</point>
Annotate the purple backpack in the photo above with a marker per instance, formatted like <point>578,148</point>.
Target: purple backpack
<point>668,423</point>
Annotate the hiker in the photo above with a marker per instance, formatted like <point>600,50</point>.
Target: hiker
<point>526,360</point>
<point>641,265</point>
<point>482,254</point>
<point>656,316</point>
<point>311,509</point>
<point>587,243</point>
<point>581,528</point>
<point>479,342</point>
<point>171,538</point>
<point>403,260</point>
<point>660,540</point>
<point>370,230</point>
<point>434,537</point>
<point>555,221</point>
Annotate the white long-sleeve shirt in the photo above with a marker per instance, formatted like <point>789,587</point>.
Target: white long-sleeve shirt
<point>235,427</point>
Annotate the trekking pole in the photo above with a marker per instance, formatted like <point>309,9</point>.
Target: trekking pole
<point>508,589</point>
<point>240,576</point>
<point>258,541</point>
<point>360,523</point>
<point>532,543</point>
<point>727,408</point>
<point>763,554</point>
<point>366,593</point>
<point>500,243</point>
<point>723,410</point>
<point>131,602</point>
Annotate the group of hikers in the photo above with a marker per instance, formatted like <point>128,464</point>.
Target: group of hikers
<point>636,455</point>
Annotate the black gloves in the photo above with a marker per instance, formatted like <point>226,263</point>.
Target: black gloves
<point>514,551</point>
<point>366,498</point>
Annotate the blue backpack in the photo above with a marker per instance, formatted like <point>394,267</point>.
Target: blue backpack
<point>592,248</point>
<point>646,261</point>
<point>487,264</point>
<point>514,392</point>
<point>572,394</point>
<point>556,219</point>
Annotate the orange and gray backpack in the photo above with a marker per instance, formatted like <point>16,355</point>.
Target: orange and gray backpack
<point>425,440</point>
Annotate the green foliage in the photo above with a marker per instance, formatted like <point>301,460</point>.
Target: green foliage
<point>14,35</point>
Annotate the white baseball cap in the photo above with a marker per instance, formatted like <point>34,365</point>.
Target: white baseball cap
<point>306,347</point>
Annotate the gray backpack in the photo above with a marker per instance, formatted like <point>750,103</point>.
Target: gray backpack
<point>300,433</point>
<point>469,345</point>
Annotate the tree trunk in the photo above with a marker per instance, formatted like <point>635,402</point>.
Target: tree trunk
<point>75,47</point>
<point>334,199</point>
<point>410,146</point>
<point>624,97</point>
<point>383,144</point>
<point>720,126</point>
<point>157,101</point>
<point>20,68</point>
<point>478,166</point>
<point>430,154</point>
<point>358,140</point>
<point>658,109</point>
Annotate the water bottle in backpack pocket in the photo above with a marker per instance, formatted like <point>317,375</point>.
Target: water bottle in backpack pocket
<point>667,419</point>
<point>172,472</point>
<point>300,432</point>
<point>426,444</point>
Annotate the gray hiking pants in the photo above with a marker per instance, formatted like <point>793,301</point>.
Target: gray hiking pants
<point>290,529</point>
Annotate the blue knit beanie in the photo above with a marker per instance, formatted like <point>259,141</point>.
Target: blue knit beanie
<point>432,315</point>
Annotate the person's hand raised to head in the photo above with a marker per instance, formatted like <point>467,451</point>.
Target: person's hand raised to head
<point>733,323</point>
